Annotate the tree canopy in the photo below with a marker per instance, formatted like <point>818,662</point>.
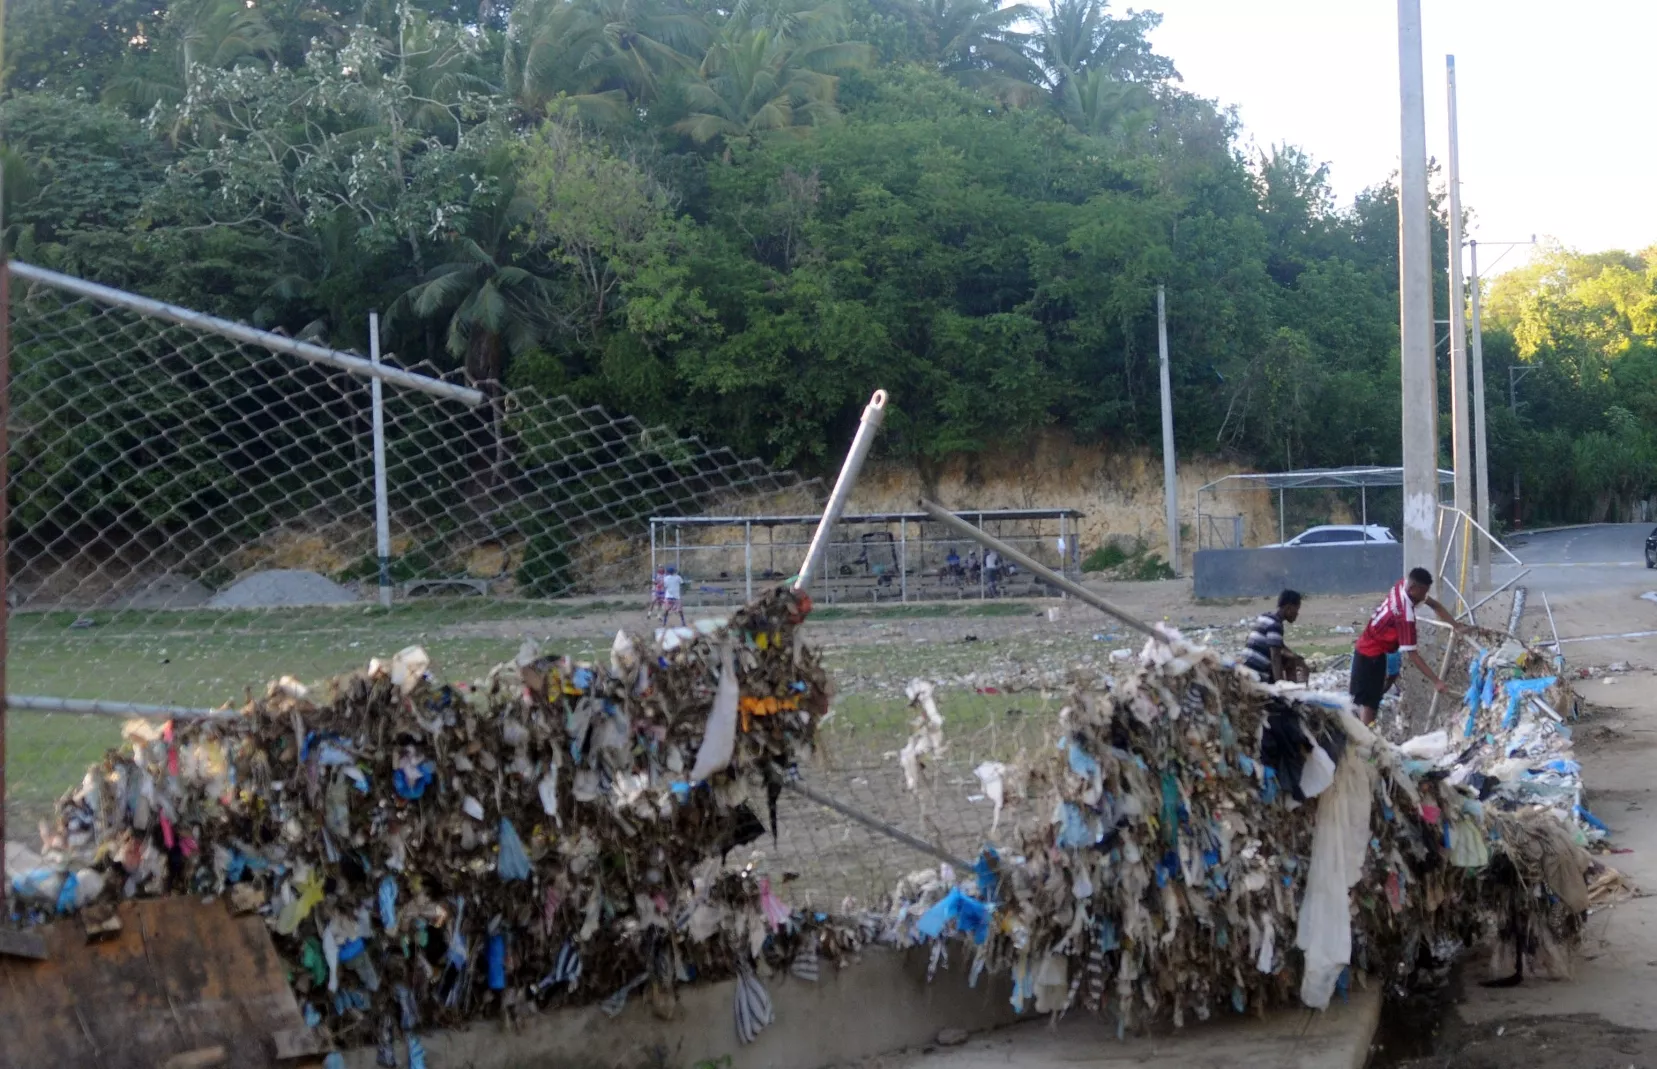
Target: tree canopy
<point>737,217</point>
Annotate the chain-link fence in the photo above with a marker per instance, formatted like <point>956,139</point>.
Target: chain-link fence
<point>193,513</point>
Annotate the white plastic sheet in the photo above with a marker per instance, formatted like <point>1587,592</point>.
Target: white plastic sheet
<point>1338,846</point>
<point>719,741</point>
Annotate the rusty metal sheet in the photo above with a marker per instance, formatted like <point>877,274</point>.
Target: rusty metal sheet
<point>182,976</point>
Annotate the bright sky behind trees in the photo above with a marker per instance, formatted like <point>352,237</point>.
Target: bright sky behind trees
<point>1551,99</point>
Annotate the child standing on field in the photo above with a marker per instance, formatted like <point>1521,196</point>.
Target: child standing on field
<point>673,585</point>
<point>658,592</point>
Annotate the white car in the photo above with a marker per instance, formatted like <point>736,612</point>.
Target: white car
<point>1338,535</point>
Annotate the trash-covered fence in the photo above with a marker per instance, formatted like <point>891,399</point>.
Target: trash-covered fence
<point>428,854</point>
<point>1189,844</point>
<point>194,502</point>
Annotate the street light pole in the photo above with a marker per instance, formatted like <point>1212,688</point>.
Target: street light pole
<point>1481,444</point>
<point>1415,313</point>
<point>1516,374</point>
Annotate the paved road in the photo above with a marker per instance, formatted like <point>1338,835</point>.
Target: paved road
<point>1598,544</point>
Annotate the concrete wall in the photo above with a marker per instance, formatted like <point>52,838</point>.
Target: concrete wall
<point>1254,573</point>
<point>882,1003</point>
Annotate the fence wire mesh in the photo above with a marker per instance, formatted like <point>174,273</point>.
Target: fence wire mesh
<point>193,514</point>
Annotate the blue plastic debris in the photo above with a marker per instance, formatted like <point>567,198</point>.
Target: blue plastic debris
<point>971,917</point>
<point>1518,689</point>
<point>388,903</point>
<point>497,962</point>
<point>984,870</point>
<point>513,862</point>
<point>412,787</point>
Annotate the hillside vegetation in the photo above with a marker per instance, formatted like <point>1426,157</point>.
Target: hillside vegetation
<point>737,219</point>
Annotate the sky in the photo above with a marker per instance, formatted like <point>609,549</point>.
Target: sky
<point>1553,100</point>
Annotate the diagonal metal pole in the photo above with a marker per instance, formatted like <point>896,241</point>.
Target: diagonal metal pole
<point>875,824</point>
<point>1019,557</point>
<point>872,415</point>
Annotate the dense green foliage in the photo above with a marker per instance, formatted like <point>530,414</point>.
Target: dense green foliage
<point>738,219</point>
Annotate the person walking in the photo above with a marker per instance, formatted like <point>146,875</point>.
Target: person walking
<point>1391,629</point>
<point>673,586</point>
<point>1266,654</point>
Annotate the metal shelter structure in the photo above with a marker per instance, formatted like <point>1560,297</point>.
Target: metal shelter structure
<point>896,555</point>
<point>1360,478</point>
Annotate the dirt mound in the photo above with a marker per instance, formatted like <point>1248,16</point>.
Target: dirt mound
<point>281,588</point>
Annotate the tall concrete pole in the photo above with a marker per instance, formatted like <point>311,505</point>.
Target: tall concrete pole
<point>1170,487</point>
<point>1481,445</point>
<point>1415,311</point>
<point>1458,320</point>
<point>1461,432</point>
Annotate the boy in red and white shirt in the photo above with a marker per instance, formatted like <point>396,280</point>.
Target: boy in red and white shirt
<point>1392,628</point>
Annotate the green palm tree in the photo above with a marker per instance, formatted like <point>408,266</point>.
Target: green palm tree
<point>197,33</point>
<point>770,70</point>
<point>604,56</point>
<point>491,308</point>
<point>1082,51</point>
<point>977,42</point>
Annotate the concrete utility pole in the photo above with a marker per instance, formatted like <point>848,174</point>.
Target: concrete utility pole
<point>1481,445</point>
<point>1170,487</point>
<point>1458,318</point>
<point>1415,312</point>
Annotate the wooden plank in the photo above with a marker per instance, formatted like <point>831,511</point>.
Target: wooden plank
<point>16,944</point>
<point>205,1058</point>
<point>183,977</point>
<point>293,1044</point>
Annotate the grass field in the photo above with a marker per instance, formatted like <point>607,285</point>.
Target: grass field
<point>204,659</point>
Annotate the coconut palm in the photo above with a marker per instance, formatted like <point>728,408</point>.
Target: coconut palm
<point>771,69</point>
<point>491,307</point>
<point>198,33</point>
<point>1079,48</point>
<point>603,56</point>
<point>977,42</point>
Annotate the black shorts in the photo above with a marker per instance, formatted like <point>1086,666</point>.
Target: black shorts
<point>1369,680</point>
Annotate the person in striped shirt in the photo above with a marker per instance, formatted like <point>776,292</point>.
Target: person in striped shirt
<point>1391,629</point>
<point>1266,651</point>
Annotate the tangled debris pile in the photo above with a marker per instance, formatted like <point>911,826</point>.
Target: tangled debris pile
<point>429,854</point>
<point>1203,828</point>
<point>426,854</point>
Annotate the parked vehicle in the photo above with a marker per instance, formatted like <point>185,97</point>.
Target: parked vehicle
<point>1357,534</point>
<point>1651,549</point>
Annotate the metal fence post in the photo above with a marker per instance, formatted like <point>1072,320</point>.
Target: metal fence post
<point>748,559</point>
<point>382,507</point>
<point>903,559</point>
<point>5,541</point>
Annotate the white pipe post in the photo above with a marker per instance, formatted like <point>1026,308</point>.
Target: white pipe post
<point>1170,488</point>
<point>1481,445</point>
<point>903,560</point>
<point>748,559</point>
<point>382,508</point>
<point>1461,430</point>
<point>817,552</point>
<point>1415,312</point>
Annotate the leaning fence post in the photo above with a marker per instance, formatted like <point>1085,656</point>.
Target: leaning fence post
<point>818,550</point>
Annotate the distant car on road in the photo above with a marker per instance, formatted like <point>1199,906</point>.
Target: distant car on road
<point>1651,549</point>
<point>1358,534</point>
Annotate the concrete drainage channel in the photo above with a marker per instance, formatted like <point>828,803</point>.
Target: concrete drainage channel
<point>884,1008</point>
